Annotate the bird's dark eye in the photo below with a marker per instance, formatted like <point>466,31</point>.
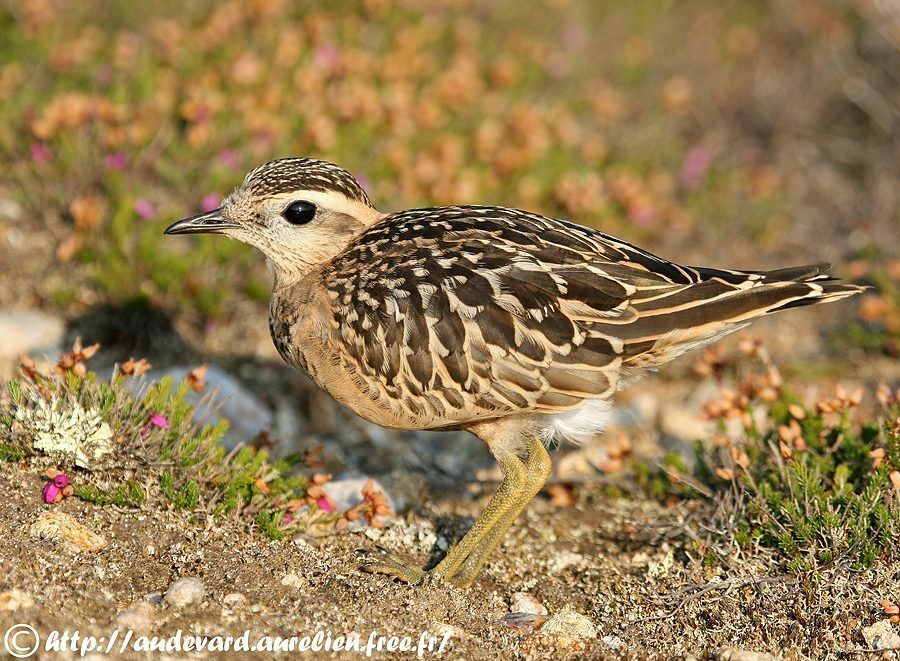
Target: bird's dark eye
<point>299,213</point>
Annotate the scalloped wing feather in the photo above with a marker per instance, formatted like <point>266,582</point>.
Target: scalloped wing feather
<point>458,314</point>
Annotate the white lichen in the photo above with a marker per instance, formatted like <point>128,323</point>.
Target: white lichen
<point>66,430</point>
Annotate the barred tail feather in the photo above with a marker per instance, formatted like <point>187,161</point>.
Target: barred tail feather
<point>669,324</point>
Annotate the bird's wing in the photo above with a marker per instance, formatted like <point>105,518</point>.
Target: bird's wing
<point>471,312</point>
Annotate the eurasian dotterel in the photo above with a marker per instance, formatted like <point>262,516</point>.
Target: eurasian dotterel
<point>515,327</point>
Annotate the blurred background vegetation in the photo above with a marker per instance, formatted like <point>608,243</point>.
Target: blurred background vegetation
<point>739,133</point>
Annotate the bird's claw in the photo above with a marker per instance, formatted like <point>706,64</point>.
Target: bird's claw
<point>399,569</point>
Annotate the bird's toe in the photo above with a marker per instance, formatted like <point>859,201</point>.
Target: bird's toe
<point>395,567</point>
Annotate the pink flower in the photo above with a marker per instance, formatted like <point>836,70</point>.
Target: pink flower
<point>230,158</point>
<point>325,504</point>
<point>695,166</point>
<point>574,38</point>
<point>210,202</point>
<point>364,181</point>
<point>159,420</point>
<point>40,153</point>
<point>326,56</point>
<point>287,519</point>
<point>643,214</point>
<point>144,208</point>
<point>115,161</point>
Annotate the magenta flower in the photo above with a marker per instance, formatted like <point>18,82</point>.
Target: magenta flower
<point>144,208</point>
<point>40,153</point>
<point>115,161</point>
<point>210,202</point>
<point>324,504</point>
<point>53,490</point>
<point>159,420</point>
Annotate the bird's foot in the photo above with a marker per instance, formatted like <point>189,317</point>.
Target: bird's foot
<point>393,566</point>
<point>464,561</point>
<point>405,572</point>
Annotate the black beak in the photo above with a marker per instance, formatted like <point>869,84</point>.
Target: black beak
<point>209,222</point>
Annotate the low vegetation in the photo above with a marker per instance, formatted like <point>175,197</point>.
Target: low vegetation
<point>159,453</point>
<point>816,482</point>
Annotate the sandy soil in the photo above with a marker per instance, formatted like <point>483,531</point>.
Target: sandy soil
<point>629,568</point>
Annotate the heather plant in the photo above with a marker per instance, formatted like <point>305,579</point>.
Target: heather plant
<point>828,494</point>
<point>811,482</point>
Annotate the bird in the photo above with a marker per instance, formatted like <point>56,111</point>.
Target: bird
<point>513,326</point>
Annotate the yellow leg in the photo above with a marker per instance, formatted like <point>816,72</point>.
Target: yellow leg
<point>537,470</point>
<point>520,483</point>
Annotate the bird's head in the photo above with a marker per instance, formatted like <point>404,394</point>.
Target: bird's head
<point>299,212</point>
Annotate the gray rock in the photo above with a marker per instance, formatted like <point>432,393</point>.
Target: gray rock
<point>184,592</point>
<point>613,641</point>
<point>346,490</point>
<point>30,332</point>
<point>406,489</point>
<point>245,412</point>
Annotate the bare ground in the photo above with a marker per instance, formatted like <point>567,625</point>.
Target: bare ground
<point>630,568</point>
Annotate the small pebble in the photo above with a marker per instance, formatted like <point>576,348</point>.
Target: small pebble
<point>292,580</point>
<point>139,617</point>
<point>233,600</point>
<point>523,620</point>
<point>735,654</point>
<point>184,592</point>
<point>568,622</point>
<point>881,636</point>
<point>565,559</point>
<point>522,602</point>
<point>613,641</point>
<point>58,527</point>
<point>14,600</point>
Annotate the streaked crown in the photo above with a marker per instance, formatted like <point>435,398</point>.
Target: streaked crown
<point>286,175</point>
